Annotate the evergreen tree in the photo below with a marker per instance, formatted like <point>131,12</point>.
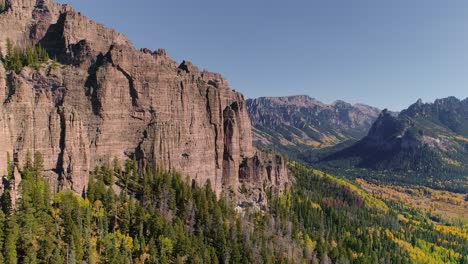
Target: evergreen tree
<point>5,201</point>
<point>2,234</point>
<point>2,6</point>
<point>16,59</point>
<point>11,238</point>
<point>57,257</point>
<point>5,198</point>
<point>9,167</point>
<point>38,166</point>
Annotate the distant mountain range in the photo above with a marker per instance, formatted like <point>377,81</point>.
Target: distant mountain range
<point>425,144</point>
<point>297,123</point>
<point>427,141</point>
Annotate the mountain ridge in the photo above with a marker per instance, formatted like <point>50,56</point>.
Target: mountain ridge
<point>425,140</point>
<point>304,122</point>
<point>308,100</point>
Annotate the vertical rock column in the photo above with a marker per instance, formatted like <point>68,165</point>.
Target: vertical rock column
<point>231,151</point>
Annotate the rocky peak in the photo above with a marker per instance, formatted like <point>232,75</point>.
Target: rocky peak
<point>387,126</point>
<point>440,105</point>
<point>451,100</point>
<point>340,103</point>
<point>425,139</point>
<point>450,112</point>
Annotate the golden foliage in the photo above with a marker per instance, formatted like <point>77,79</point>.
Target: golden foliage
<point>446,205</point>
<point>460,138</point>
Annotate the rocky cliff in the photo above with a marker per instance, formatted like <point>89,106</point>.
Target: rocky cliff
<point>106,100</point>
<point>301,122</point>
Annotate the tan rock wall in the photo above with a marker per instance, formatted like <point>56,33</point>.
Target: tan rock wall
<point>108,100</point>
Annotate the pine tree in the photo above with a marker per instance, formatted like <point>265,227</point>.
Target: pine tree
<point>41,53</point>
<point>11,238</point>
<point>13,58</point>
<point>2,234</point>
<point>30,56</point>
<point>9,167</point>
<point>16,61</point>
<point>28,161</point>
<point>38,166</point>
<point>2,6</point>
<point>9,53</point>
<point>71,253</point>
<point>5,199</point>
<point>165,248</point>
<point>57,258</point>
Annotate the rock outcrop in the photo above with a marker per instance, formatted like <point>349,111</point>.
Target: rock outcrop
<point>107,100</point>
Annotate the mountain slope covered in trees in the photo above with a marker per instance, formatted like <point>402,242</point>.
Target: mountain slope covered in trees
<point>157,217</point>
<point>425,144</point>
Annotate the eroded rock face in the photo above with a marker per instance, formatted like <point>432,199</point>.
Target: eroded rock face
<point>302,122</point>
<point>108,100</point>
<point>259,174</point>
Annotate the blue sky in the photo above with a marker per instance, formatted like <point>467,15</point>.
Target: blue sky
<point>383,53</point>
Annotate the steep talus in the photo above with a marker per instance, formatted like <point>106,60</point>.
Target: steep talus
<point>107,100</point>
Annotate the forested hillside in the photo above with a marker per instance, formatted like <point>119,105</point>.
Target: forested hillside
<point>157,217</point>
<point>425,144</point>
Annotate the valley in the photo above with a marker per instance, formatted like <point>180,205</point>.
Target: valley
<point>115,154</point>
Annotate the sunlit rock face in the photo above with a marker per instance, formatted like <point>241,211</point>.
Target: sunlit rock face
<point>107,100</point>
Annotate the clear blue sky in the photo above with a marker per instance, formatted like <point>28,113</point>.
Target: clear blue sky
<point>383,53</point>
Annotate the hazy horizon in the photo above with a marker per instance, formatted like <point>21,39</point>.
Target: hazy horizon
<point>383,54</point>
